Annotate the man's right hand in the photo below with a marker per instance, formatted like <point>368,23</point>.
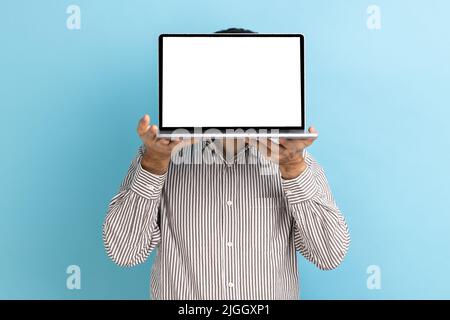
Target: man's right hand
<point>157,151</point>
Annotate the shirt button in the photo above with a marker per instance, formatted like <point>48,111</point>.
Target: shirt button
<point>231,284</point>
<point>288,192</point>
<point>229,244</point>
<point>150,187</point>
<point>229,203</point>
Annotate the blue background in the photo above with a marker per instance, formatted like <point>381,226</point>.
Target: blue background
<point>70,101</point>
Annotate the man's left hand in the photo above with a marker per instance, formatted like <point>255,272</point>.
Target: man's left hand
<point>288,153</point>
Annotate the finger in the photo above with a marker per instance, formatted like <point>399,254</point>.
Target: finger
<point>173,141</point>
<point>176,144</point>
<point>143,125</point>
<point>152,134</point>
<point>312,130</point>
<point>291,144</point>
<point>287,143</point>
<point>265,143</point>
<point>263,146</point>
<point>163,141</point>
<point>274,150</point>
<point>309,142</point>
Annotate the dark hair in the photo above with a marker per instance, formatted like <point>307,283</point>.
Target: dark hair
<point>235,30</point>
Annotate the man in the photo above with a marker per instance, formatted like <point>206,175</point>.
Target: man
<point>226,216</point>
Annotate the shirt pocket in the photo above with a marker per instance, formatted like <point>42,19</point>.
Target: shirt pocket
<point>266,214</point>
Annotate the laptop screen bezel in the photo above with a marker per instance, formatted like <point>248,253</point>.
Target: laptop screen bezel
<point>163,128</point>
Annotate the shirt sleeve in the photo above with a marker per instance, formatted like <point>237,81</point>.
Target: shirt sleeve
<point>130,230</point>
<point>321,233</point>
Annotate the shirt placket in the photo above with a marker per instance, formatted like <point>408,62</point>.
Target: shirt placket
<point>229,245</point>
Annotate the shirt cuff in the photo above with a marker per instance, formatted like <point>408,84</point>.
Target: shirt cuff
<point>302,188</point>
<point>146,184</point>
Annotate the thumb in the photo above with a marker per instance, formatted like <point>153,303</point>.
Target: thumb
<point>143,125</point>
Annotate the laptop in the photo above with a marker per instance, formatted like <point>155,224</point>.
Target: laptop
<point>232,85</point>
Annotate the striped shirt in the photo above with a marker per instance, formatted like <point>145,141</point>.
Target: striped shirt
<point>224,229</point>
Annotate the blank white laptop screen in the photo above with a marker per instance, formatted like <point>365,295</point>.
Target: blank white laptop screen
<point>231,81</point>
